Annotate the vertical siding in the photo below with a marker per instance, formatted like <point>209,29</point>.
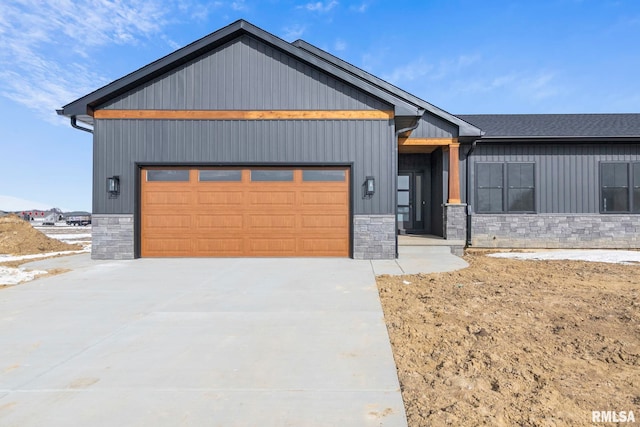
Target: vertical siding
<point>567,175</point>
<point>246,74</point>
<point>434,127</point>
<point>369,145</point>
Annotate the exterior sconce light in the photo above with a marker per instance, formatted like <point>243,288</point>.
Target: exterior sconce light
<point>113,185</point>
<point>370,186</point>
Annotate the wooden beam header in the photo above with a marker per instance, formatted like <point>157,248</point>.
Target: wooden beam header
<point>245,114</point>
<point>427,142</point>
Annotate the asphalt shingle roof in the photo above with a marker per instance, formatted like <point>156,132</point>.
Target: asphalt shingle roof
<point>556,125</point>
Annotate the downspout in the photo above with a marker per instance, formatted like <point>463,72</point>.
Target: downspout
<point>395,195</point>
<point>75,125</point>
<point>468,164</point>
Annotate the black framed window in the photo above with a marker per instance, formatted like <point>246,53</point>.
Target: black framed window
<point>505,187</point>
<point>490,179</point>
<point>619,187</point>
<point>521,187</point>
<point>635,196</point>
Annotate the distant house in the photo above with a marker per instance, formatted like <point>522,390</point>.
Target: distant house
<point>241,144</point>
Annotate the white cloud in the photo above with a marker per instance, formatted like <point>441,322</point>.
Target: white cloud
<point>239,5</point>
<point>294,32</point>
<point>319,6</point>
<point>525,85</point>
<point>340,45</point>
<point>360,8</point>
<point>408,72</point>
<point>420,68</point>
<point>40,41</point>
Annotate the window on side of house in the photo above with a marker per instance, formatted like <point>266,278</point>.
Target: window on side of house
<point>520,189</point>
<point>505,187</point>
<point>636,188</point>
<point>489,195</point>
<point>619,187</point>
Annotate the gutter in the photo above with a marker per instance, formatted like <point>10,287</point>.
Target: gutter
<point>74,122</point>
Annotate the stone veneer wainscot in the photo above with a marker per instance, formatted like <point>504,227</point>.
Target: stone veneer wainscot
<point>556,231</point>
<point>374,236</point>
<point>112,236</point>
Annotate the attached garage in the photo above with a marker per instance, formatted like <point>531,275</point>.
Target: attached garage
<point>257,211</point>
<point>241,144</point>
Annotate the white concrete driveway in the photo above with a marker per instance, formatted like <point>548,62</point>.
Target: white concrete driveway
<point>198,342</point>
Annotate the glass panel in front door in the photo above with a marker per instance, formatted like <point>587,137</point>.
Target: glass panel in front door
<point>404,202</point>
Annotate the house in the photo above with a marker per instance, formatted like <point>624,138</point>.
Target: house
<point>555,181</point>
<point>241,144</point>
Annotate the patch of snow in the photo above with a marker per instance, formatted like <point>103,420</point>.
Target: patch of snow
<point>13,276</point>
<point>7,258</point>
<point>69,236</point>
<point>591,255</point>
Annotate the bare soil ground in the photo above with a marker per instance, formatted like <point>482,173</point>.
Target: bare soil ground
<point>516,343</point>
<point>18,237</point>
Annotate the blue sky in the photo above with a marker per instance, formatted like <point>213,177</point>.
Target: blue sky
<point>465,56</point>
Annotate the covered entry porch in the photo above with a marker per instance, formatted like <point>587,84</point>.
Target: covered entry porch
<point>428,189</point>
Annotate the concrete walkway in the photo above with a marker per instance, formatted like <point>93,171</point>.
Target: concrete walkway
<point>197,342</point>
<point>420,259</point>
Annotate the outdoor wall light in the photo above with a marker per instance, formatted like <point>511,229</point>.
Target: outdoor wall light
<point>370,186</point>
<point>113,185</point>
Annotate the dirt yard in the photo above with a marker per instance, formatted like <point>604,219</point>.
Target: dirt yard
<point>18,237</point>
<point>516,343</point>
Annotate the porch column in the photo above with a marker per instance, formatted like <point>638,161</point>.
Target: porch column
<point>454,173</point>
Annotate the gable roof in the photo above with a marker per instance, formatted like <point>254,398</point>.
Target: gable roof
<point>465,128</point>
<point>558,126</point>
<point>82,108</point>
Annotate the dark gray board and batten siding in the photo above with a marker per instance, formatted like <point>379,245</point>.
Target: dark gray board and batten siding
<point>567,175</point>
<point>245,74</point>
<point>431,126</point>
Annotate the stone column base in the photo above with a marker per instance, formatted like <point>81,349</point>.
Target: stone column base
<point>374,236</point>
<point>112,236</point>
<point>455,221</point>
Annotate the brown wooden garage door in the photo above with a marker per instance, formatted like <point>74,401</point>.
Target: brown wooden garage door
<point>244,212</point>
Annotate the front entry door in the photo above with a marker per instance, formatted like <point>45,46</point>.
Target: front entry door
<point>411,202</point>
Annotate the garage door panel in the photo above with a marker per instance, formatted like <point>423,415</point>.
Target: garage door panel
<point>270,222</point>
<point>272,198</point>
<point>219,223</point>
<point>323,246</point>
<point>328,221</point>
<point>324,199</point>
<point>220,198</point>
<point>269,246</point>
<point>168,246</point>
<point>168,198</point>
<point>245,217</point>
<point>161,223</point>
<point>220,246</point>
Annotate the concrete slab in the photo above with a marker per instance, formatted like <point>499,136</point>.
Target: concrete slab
<point>228,342</point>
<point>420,259</point>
